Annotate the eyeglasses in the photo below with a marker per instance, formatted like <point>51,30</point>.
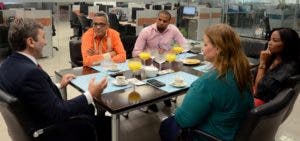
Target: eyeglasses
<point>99,24</point>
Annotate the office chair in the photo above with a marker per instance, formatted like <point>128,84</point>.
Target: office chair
<point>75,24</point>
<point>128,42</point>
<point>252,47</point>
<point>114,22</point>
<point>85,23</point>
<point>260,124</point>
<point>75,53</point>
<point>17,119</point>
<point>295,82</point>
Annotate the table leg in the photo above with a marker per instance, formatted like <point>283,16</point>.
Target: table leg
<point>115,127</point>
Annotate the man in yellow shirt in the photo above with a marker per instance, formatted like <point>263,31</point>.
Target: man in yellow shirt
<point>100,42</point>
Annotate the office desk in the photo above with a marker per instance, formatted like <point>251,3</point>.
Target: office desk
<point>120,101</point>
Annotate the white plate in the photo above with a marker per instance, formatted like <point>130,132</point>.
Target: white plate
<point>178,85</point>
<point>120,84</point>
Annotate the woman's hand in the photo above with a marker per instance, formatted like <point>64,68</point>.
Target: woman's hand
<point>264,56</point>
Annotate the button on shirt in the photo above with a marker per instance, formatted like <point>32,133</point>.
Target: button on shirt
<point>150,37</point>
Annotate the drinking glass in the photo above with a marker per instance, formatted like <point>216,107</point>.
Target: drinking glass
<point>152,52</point>
<point>144,56</point>
<point>134,65</point>
<point>177,49</point>
<point>160,57</point>
<point>170,57</point>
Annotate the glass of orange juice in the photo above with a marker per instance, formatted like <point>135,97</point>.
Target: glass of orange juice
<point>134,65</point>
<point>144,56</point>
<point>177,49</point>
<point>170,57</point>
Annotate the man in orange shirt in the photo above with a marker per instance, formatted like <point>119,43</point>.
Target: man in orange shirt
<point>101,42</point>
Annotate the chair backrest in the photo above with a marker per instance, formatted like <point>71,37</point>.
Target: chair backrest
<point>114,22</point>
<point>84,22</point>
<point>262,123</point>
<point>75,53</point>
<point>11,110</point>
<point>293,81</point>
<point>252,47</point>
<point>128,42</point>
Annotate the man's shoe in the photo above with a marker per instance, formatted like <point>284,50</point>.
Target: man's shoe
<point>168,103</point>
<point>153,108</point>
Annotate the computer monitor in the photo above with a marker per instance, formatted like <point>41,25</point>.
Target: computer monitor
<point>122,4</point>
<point>189,11</point>
<point>133,13</point>
<point>168,7</point>
<point>157,7</point>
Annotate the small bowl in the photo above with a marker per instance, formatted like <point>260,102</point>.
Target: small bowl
<point>150,71</point>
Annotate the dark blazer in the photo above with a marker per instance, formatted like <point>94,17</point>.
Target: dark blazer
<point>22,78</point>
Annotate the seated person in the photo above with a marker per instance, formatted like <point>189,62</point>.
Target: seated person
<point>218,100</point>
<point>22,77</point>
<point>101,42</point>
<point>159,34</point>
<point>276,64</point>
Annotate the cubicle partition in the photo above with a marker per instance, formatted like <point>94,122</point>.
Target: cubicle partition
<point>197,24</point>
<point>92,11</point>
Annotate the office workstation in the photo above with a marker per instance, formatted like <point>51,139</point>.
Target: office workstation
<point>191,18</point>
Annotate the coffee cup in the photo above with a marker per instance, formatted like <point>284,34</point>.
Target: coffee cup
<point>121,79</point>
<point>150,71</point>
<point>178,81</point>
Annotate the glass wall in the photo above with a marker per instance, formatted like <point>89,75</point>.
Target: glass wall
<point>255,18</point>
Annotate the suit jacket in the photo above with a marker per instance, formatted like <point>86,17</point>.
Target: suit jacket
<point>31,85</point>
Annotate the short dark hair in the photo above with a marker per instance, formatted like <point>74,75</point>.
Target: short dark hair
<point>21,29</point>
<point>165,12</point>
<point>102,14</point>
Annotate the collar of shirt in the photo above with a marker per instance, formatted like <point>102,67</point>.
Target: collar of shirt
<point>29,56</point>
<point>154,27</point>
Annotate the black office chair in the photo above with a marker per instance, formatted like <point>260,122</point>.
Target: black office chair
<point>128,42</point>
<point>252,47</point>
<point>75,53</point>
<point>84,22</point>
<point>17,120</point>
<point>293,81</point>
<point>260,124</point>
<point>75,24</point>
<point>114,22</point>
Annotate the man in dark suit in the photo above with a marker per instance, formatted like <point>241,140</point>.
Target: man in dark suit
<point>22,77</point>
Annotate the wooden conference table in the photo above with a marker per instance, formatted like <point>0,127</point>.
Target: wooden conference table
<point>118,100</point>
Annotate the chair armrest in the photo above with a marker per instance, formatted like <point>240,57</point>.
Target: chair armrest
<point>76,64</point>
<point>82,120</point>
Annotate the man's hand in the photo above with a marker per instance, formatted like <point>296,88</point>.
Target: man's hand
<point>96,88</point>
<point>91,52</point>
<point>66,80</point>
